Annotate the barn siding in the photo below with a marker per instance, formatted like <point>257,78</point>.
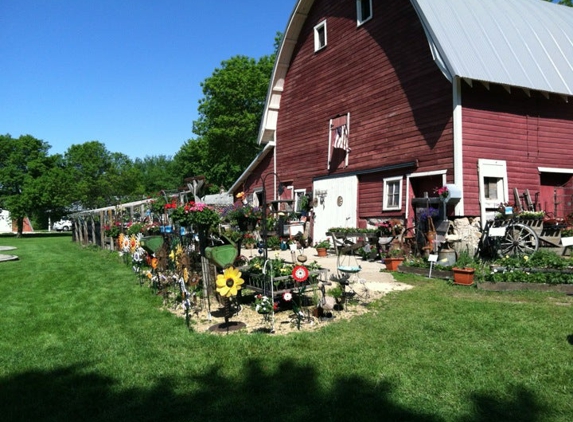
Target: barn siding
<point>526,132</point>
<point>383,75</point>
<point>400,107</point>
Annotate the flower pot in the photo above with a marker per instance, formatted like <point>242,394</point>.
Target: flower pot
<point>321,251</point>
<point>392,263</point>
<point>463,276</point>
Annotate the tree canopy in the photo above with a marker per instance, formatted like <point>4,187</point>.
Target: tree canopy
<point>24,164</point>
<point>230,114</point>
<point>229,117</point>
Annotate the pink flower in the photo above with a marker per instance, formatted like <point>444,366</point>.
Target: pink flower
<point>442,192</point>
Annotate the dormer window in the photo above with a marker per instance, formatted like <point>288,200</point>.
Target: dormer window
<point>363,11</point>
<point>320,36</point>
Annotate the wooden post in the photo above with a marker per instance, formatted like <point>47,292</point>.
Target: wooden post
<point>94,241</point>
<point>86,237</point>
<point>101,229</point>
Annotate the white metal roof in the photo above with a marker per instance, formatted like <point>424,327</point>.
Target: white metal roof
<point>521,43</point>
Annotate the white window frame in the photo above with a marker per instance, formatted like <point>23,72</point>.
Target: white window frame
<point>298,193</point>
<point>317,31</point>
<point>254,200</point>
<point>359,18</point>
<point>387,182</point>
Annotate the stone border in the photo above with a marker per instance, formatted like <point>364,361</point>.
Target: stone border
<point>425,271</point>
<point>7,257</point>
<point>503,286</point>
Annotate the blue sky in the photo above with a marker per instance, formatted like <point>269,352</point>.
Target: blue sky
<point>126,73</point>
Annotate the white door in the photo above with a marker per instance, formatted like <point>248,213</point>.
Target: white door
<point>337,204</point>
<point>493,189</point>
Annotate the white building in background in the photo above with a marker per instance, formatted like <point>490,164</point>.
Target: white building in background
<point>5,222</point>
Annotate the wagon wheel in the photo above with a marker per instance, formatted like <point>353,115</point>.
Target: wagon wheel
<point>519,239</point>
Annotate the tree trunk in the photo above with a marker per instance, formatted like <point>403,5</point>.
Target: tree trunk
<point>20,226</point>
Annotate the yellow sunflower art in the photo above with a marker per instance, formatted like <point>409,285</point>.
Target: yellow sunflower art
<point>229,283</point>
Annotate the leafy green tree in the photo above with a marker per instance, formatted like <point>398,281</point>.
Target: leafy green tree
<point>230,114</point>
<point>24,162</point>
<point>55,189</point>
<point>158,173</point>
<point>191,159</point>
<point>101,178</point>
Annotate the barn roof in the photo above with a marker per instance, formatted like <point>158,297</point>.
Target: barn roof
<point>520,43</point>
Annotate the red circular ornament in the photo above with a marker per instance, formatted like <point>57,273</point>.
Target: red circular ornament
<point>300,273</point>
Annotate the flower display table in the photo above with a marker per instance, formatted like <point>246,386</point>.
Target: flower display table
<point>261,283</point>
<point>342,240</point>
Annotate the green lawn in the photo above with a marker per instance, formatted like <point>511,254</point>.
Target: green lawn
<point>81,340</point>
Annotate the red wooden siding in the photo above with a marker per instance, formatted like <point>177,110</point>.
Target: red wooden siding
<point>526,132</point>
<point>382,74</point>
<point>400,107</point>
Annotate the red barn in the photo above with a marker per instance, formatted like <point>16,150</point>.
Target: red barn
<point>373,104</point>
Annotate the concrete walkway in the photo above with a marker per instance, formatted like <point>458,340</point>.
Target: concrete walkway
<point>369,274</point>
<point>7,257</point>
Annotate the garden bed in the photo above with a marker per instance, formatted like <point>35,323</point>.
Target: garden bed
<point>501,286</point>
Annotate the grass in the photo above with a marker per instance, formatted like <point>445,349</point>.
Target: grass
<point>81,340</point>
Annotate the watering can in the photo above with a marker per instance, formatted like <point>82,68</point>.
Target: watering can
<point>223,255</point>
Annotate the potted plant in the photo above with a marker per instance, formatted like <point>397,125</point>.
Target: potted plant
<point>394,258</point>
<point>464,269</point>
<point>304,204</point>
<point>322,246</point>
<point>273,243</point>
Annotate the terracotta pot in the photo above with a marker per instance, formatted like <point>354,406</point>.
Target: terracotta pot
<point>321,251</point>
<point>392,263</point>
<point>463,276</point>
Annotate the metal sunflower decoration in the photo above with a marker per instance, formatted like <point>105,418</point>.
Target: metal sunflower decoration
<point>228,285</point>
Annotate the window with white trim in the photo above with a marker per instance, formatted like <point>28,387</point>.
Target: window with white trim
<point>392,194</point>
<point>492,188</point>
<point>298,194</point>
<point>257,198</point>
<point>320,36</point>
<point>363,11</point>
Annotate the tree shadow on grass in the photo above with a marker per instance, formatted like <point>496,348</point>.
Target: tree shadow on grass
<point>292,392</point>
<point>523,407</point>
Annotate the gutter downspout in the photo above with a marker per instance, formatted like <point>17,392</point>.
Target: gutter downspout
<point>458,142</point>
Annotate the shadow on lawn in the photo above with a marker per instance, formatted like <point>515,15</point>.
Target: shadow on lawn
<point>291,393</point>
